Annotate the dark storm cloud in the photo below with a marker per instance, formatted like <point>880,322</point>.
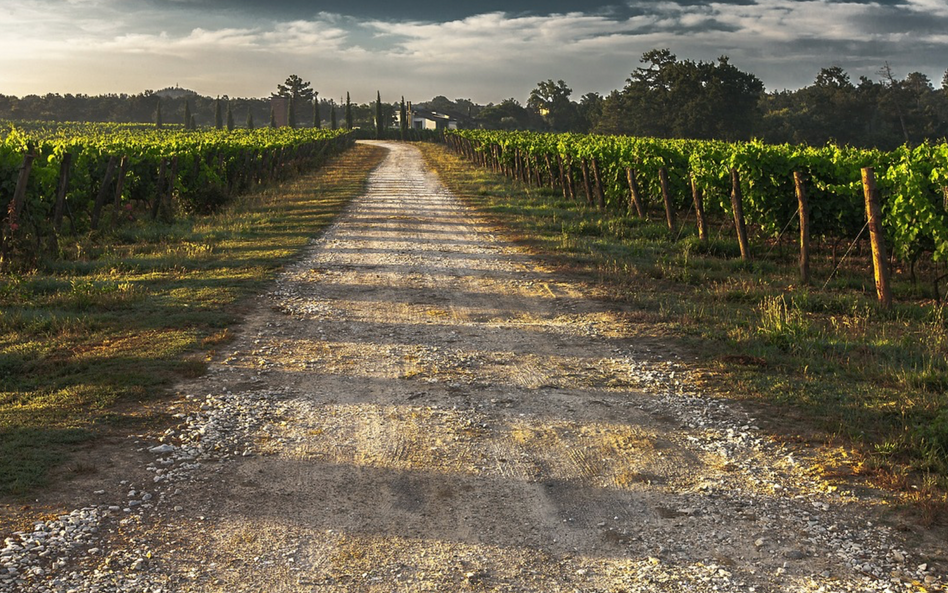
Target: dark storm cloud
<point>894,19</point>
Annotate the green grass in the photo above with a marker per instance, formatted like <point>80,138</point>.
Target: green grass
<point>113,324</point>
<point>831,359</point>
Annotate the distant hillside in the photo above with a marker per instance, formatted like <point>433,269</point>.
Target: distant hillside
<point>175,92</point>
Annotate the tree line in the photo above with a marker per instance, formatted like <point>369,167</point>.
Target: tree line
<point>664,97</point>
<point>191,110</point>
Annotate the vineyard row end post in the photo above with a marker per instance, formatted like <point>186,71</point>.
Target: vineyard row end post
<point>804,211</point>
<point>698,197</point>
<point>16,205</point>
<point>880,265</point>
<point>666,196</point>
<point>737,204</point>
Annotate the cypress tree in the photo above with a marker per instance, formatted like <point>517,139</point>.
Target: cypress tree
<point>250,119</point>
<point>158,121</point>
<point>187,115</point>
<point>193,122</point>
<point>230,119</point>
<point>348,113</point>
<point>291,116</point>
<point>403,119</point>
<point>218,116</point>
<point>273,117</point>
<point>379,124</point>
<point>332,115</point>
<point>316,122</point>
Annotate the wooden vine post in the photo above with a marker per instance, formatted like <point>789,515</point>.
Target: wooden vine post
<point>587,184</point>
<point>103,191</point>
<point>634,194</point>
<point>16,205</point>
<point>737,204</point>
<point>159,193</point>
<point>698,198</point>
<point>19,194</point>
<point>570,181</point>
<point>666,196</point>
<point>549,168</point>
<point>600,192</point>
<point>52,243</point>
<point>61,190</point>
<point>804,227</point>
<point>119,188</point>
<point>874,215</point>
<point>559,161</point>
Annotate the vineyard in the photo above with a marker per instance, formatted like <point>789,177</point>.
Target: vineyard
<point>763,257</point>
<point>75,179</point>
<point>748,185</point>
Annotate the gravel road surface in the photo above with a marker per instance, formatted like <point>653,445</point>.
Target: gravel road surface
<point>417,405</point>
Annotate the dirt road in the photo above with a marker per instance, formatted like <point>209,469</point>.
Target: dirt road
<point>418,406</point>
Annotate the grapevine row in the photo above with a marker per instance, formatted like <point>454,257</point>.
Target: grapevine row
<point>628,173</point>
<point>68,180</point>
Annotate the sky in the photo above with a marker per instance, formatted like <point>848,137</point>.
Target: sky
<point>485,51</point>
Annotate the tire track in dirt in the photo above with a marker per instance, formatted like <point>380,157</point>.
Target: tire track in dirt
<point>457,418</point>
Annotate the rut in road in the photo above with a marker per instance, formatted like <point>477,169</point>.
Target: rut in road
<point>455,417</point>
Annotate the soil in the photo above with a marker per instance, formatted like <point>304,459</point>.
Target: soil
<point>454,416</point>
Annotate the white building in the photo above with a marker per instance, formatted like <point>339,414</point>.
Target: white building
<point>422,119</point>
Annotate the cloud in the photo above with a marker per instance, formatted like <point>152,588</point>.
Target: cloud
<point>197,42</point>
<point>307,36</point>
<point>93,45</point>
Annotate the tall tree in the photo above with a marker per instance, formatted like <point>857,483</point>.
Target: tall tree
<point>230,118</point>
<point>158,122</point>
<point>671,98</point>
<point>509,114</point>
<point>403,120</point>
<point>348,113</point>
<point>316,119</point>
<point>589,111</point>
<point>379,123</point>
<point>295,88</point>
<point>291,113</point>
<point>218,116</point>
<point>187,115</point>
<point>250,119</point>
<point>551,101</point>
<point>332,115</point>
<point>273,118</point>
<point>895,96</point>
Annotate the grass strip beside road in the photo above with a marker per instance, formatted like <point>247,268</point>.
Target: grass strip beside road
<point>86,344</point>
<point>830,367</point>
